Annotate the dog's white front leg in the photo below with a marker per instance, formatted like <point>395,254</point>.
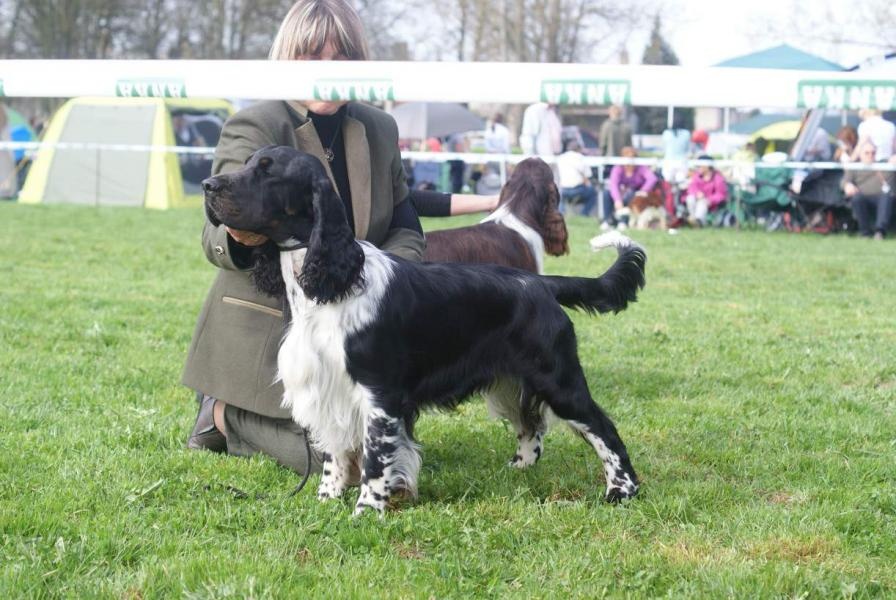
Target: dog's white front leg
<point>337,475</point>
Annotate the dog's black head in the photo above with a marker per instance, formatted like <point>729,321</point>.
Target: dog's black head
<point>287,196</point>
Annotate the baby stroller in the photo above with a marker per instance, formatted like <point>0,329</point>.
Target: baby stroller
<point>821,202</point>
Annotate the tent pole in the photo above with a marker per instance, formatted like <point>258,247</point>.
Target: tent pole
<point>96,193</point>
<point>670,117</point>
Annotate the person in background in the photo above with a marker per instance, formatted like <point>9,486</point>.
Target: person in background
<point>847,138</point>
<point>707,190</point>
<point>743,168</point>
<point>877,130</point>
<point>615,133</point>
<point>871,194</point>
<point>699,141</point>
<point>431,144</point>
<point>575,179</point>
<point>232,362</point>
<point>676,146</point>
<point>819,149</point>
<point>457,169</point>
<point>542,130</point>
<point>626,180</point>
<point>8,178</point>
<point>497,136</point>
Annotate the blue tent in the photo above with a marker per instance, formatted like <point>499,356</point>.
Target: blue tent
<point>782,57</point>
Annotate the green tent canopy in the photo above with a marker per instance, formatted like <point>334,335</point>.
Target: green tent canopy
<point>110,176</point>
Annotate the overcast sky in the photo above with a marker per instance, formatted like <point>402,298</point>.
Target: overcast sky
<point>705,32</point>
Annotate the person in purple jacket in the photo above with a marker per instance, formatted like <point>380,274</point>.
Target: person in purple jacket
<point>707,190</point>
<point>626,181</point>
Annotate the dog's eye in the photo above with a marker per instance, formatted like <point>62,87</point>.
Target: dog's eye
<point>265,163</point>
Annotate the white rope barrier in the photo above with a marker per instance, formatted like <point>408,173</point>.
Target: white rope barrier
<point>477,158</point>
<point>513,83</point>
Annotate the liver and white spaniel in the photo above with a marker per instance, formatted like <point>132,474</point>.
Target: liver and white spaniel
<point>374,338</point>
<point>526,224</point>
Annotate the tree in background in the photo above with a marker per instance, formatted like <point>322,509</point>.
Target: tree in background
<point>528,30</point>
<point>830,28</point>
<point>653,119</point>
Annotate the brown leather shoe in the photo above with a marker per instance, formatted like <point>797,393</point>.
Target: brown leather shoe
<point>205,436</point>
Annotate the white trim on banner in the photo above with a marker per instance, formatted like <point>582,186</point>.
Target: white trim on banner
<point>516,83</point>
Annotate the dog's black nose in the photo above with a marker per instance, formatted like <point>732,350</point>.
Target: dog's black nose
<point>211,185</point>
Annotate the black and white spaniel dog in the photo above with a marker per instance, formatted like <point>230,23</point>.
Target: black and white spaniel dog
<point>375,338</point>
<point>526,224</point>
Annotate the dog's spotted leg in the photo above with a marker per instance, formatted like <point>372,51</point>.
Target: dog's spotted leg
<point>391,462</point>
<point>508,399</point>
<point>622,482</point>
<point>528,449</point>
<point>336,475</point>
<point>566,393</point>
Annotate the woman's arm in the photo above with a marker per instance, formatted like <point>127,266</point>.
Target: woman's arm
<point>649,179</point>
<point>241,136</point>
<point>405,237</point>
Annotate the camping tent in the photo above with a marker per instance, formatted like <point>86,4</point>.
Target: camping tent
<point>141,176</point>
<point>782,56</point>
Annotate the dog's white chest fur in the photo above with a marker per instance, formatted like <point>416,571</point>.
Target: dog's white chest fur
<point>312,362</point>
<point>503,216</point>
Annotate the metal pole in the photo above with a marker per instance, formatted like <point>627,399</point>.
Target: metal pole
<point>96,187</point>
<point>726,125</point>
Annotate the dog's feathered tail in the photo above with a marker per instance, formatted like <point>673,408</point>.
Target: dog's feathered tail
<point>613,290</point>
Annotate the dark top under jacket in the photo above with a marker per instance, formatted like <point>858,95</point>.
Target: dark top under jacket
<point>233,353</point>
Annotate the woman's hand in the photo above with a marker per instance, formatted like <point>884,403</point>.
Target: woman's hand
<point>851,189</point>
<point>247,238</point>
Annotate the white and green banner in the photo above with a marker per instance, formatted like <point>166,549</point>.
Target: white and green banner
<point>368,90</point>
<point>572,84</point>
<point>852,94</point>
<point>150,88</point>
<point>589,92</point>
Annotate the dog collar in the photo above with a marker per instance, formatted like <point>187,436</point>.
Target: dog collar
<point>291,244</point>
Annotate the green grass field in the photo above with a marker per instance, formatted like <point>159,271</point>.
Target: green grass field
<point>754,383</point>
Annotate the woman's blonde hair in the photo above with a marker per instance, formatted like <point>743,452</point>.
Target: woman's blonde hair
<point>310,24</point>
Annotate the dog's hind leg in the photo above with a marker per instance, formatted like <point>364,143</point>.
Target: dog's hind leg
<point>509,399</point>
<point>391,461</point>
<point>565,390</point>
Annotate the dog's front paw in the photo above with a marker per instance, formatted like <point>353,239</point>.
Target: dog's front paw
<point>363,507</point>
<point>328,491</point>
<point>617,493</point>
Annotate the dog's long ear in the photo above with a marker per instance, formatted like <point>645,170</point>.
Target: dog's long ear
<point>554,233</point>
<point>334,259</point>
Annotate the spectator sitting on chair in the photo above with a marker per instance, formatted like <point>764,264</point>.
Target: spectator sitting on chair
<point>847,138</point>
<point>575,179</point>
<point>870,192</point>
<point>708,190</point>
<point>626,181</point>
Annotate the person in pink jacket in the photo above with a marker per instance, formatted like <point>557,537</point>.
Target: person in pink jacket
<point>626,181</point>
<point>707,190</point>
